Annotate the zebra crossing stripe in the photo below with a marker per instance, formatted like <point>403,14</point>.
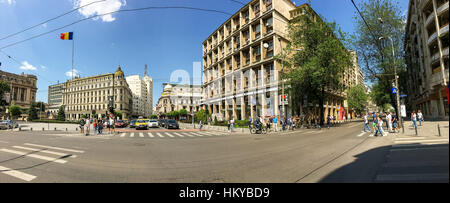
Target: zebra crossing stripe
<point>179,135</point>
<point>132,135</point>
<point>159,134</point>
<point>17,174</point>
<point>196,134</point>
<point>57,148</point>
<point>141,134</point>
<point>46,158</point>
<point>186,133</point>
<point>122,135</point>
<point>150,135</point>
<point>45,151</point>
<point>168,134</point>
<point>205,133</point>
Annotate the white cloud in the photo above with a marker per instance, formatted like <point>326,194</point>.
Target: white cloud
<point>99,8</point>
<point>75,73</point>
<point>43,67</point>
<point>27,66</point>
<point>10,2</point>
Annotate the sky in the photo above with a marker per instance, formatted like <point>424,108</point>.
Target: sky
<point>165,39</point>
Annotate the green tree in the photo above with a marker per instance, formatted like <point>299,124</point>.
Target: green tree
<point>61,114</point>
<point>32,112</point>
<point>4,88</point>
<point>314,59</point>
<point>375,55</point>
<point>357,98</point>
<point>153,116</point>
<point>14,111</point>
<point>183,112</point>
<point>201,116</point>
<point>117,114</point>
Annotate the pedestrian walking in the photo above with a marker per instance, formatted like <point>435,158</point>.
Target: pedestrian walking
<point>100,127</point>
<point>389,121</point>
<point>366,123</point>
<point>95,126</point>
<point>379,126</point>
<point>88,126</point>
<point>200,123</point>
<point>394,122</point>
<point>420,117</point>
<point>229,125</point>
<point>328,121</point>
<point>374,124</point>
<point>414,119</point>
<point>275,122</point>
<point>82,122</point>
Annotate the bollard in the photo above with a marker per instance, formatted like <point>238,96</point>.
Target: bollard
<point>20,128</point>
<point>55,129</point>
<point>31,129</point>
<point>76,129</point>
<point>439,130</point>
<point>43,129</point>
<point>66,129</point>
<point>415,128</point>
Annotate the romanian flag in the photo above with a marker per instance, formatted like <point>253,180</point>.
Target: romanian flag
<point>67,36</point>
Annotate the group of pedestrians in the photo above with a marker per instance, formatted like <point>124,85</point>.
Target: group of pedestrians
<point>272,123</point>
<point>416,117</point>
<point>98,125</point>
<point>377,123</point>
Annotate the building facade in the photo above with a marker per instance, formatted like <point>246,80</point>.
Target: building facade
<point>426,47</point>
<point>148,82</point>
<point>22,90</point>
<point>91,95</point>
<point>55,98</point>
<point>179,96</point>
<point>241,77</point>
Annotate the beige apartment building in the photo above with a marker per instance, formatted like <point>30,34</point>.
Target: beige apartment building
<point>241,77</point>
<point>91,95</point>
<point>23,90</point>
<point>179,96</point>
<point>426,47</point>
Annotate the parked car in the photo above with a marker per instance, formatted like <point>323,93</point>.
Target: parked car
<point>152,123</point>
<point>172,124</point>
<point>142,124</point>
<point>163,123</point>
<point>120,124</point>
<point>8,124</point>
<point>133,123</point>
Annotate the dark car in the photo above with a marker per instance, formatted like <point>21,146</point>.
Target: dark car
<point>121,124</point>
<point>172,124</point>
<point>133,124</point>
<point>163,123</point>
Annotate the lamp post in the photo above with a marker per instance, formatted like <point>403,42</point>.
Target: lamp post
<point>396,80</point>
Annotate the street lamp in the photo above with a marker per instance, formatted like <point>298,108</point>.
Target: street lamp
<point>395,79</point>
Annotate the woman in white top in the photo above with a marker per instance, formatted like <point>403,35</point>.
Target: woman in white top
<point>420,117</point>
<point>414,119</point>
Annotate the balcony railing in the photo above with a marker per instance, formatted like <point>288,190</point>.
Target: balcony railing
<point>432,38</point>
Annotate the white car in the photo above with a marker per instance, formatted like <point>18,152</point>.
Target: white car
<point>8,124</point>
<point>152,123</point>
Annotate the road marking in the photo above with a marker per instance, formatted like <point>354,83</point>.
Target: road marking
<point>4,142</point>
<point>418,148</point>
<point>132,135</point>
<point>122,135</point>
<point>410,138</point>
<point>17,174</point>
<point>205,133</point>
<point>57,160</point>
<point>188,134</point>
<point>141,134</point>
<point>57,148</point>
<point>45,151</point>
<point>420,141</point>
<point>168,134</point>
<point>177,134</point>
<point>150,135</point>
<point>159,134</point>
<point>361,134</point>
<point>196,134</point>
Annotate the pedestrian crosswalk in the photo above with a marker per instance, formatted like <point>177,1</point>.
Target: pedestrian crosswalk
<point>47,154</point>
<point>402,142</point>
<point>178,134</point>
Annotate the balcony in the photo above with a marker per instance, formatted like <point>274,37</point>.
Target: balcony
<point>442,9</point>
<point>444,29</point>
<point>430,18</point>
<point>437,78</point>
<point>432,38</point>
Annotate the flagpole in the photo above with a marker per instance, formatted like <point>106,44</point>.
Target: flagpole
<point>73,45</point>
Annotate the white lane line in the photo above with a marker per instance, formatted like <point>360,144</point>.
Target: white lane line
<point>46,158</point>
<point>196,134</point>
<point>57,148</point>
<point>179,135</point>
<point>4,142</point>
<point>122,135</point>
<point>361,134</point>
<point>17,174</point>
<point>132,135</point>
<point>168,134</point>
<point>188,134</point>
<point>150,135</point>
<point>45,151</point>
<point>159,134</point>
<point>141,134</point>
<point>420,141</point>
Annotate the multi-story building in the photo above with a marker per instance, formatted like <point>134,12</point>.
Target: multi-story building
<point>142,89</point>
<point>55,98</point>
<point>179,96</point>
<point>148,81</point>
<point>426,47</point>
<point>91,95</point>
<point>22,89</point>
<point>241,77</point>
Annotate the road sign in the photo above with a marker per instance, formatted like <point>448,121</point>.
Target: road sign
<point>403,110</point>
<point>403,95</point>
<point>394,90</point>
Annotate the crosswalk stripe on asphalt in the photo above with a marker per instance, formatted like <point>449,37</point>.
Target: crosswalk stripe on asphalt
<point>168,134</point>
<point>45,151</point>
<point>122,135</point>
<point>196,134</point>
<point>179,135</point>
<point>141,134</point>
<point>150,135</point>
<point>159,134</point>
<point>17,174</point>
<point>46,158</point>
<point>132,135</point>
<point>57,148</point>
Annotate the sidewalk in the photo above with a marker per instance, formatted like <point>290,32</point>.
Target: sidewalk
<point>428,129</point>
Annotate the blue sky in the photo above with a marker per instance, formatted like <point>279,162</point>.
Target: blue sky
<point>166,40</point>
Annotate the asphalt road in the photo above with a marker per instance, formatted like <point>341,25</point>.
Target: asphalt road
<point>341,154</point>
